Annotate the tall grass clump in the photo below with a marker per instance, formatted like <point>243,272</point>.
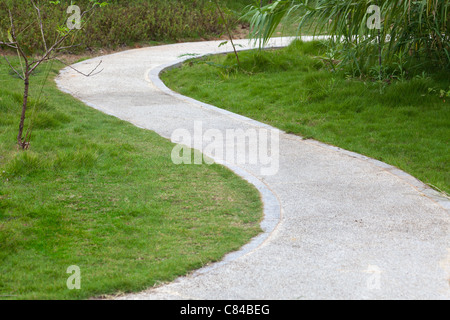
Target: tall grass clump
<point>372,37</point>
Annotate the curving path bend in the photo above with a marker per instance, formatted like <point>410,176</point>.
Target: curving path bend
<point>337,225</point>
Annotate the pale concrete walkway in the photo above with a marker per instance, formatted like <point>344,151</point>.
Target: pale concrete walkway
<point>338,225</point>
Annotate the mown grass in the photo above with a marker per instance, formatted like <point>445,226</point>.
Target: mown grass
<point>99,193</point>
<point>404,123</point>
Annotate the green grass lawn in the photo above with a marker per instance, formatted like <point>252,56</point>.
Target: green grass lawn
<point>99,193</point>
<point>405,123</point>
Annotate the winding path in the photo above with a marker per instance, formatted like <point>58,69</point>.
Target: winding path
<point>337,225</point>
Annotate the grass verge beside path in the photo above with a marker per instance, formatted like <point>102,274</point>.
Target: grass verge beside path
<point>405,123</point>
<point>97,192</point>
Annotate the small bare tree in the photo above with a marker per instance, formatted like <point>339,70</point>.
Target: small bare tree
<point>227,28</point>
<point>48,52</point>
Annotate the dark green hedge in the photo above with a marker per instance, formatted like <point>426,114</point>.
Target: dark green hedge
<point>120,23</point>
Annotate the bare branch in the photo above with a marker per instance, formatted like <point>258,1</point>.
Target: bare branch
<point>13,35</point>
<point>87,11</point>
<point>68,47</point>
<point>41,26</point>
<point>8,44</point>
<point>21,77</point>
<point>84,74</point>
<point>56,45</point>
<point>47,54</point>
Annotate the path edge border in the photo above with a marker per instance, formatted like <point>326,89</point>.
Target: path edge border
<point>272,210</point>
<point>153,76</point>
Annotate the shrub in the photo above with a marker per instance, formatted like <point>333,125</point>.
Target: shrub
<point>120,23</point>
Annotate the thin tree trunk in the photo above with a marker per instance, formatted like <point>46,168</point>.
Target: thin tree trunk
<point>229,33</point>
<point>380,49</point>
<point>20,140</point>
<point>380,57</point>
